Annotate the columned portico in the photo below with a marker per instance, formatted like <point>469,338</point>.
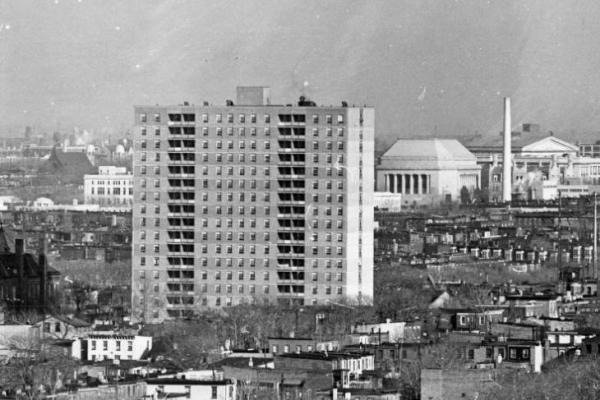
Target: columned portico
<point>422,169</point>
<point>413,184</point>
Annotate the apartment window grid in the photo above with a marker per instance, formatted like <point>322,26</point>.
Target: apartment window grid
<point>244,211</point>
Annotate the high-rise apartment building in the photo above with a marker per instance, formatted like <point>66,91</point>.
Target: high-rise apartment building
<point>251,202</point>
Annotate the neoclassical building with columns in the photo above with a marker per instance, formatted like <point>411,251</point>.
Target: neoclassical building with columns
<point>427,171</point>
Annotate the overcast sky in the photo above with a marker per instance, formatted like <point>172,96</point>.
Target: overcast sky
<point>429,67</point>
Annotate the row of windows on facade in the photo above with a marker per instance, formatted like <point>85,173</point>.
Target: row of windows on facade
<point>175,183</point>
<point>229,157</point>
<point>241,210</point>
<point>241,197</point>
<point>117,344</point>
<point>241,132</point>
<point>228,302</point>
<point>219,145</point>
<point>230,118</point>
<point>241,249</point>
<point>191,158</point>
<point>127,182</point>
<point>228,289</point>
<point>241,236</point>
<point>227,262</point>
<point>108,200</point>
<point>115,191</point>
<point>252,197</point>
<point>326,224</point>
<point>228,275</point>
<point>243,184</point>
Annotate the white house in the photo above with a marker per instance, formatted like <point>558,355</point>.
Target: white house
<point>7,201</point>
<point>42,203</point>
<point>397,331</point>
<point>182,387</point>
<point>111,346</point>
<point>60,327</point>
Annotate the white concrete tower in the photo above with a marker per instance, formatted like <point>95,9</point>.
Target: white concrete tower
<point>507,164</point>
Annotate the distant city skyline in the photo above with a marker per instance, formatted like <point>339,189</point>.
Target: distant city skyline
<point>428,67</point>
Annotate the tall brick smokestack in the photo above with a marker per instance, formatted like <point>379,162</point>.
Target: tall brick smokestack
<point>507,163</point>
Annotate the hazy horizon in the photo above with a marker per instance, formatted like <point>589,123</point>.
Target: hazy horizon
<point>428,67</point>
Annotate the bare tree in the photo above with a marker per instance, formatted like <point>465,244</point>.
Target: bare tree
<point>34,367</point>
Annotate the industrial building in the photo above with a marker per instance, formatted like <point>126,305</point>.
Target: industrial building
<point>251,201</point>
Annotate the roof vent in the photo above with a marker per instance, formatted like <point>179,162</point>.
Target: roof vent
<point>229,103</point>
<point>303,101</point>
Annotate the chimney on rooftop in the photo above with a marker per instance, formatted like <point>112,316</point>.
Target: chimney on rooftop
<point>507,163</point>
<point>19,250</point>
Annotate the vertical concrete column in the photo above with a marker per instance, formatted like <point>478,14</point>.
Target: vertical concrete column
<point>417,184</point>
<point>429,184</point>
<point>507,163</point>
<point>387,182</point>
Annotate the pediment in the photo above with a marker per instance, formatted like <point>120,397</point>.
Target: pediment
<point>550,144</point>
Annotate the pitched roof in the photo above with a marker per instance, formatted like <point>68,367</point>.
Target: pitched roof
<point>72,160</point>
<point>428,154</point>
<point>31,269</point>
<point>73,321</point>
<point>6,241</point>
<point>432,149</point>
<point>518,140</point>
<point>8,259</point>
